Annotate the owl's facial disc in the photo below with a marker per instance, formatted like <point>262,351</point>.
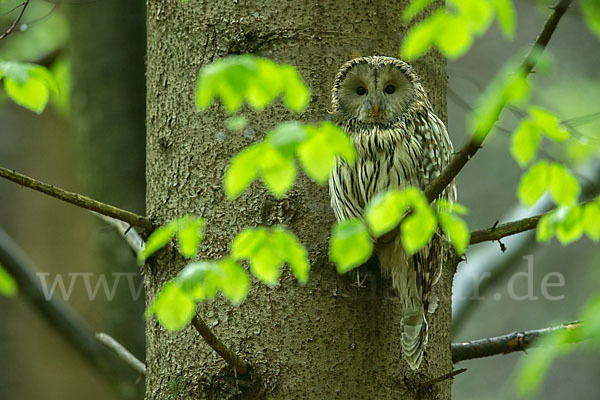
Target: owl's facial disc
<point>374,94</point>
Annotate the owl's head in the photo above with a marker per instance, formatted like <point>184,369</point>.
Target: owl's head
<point>376,90</point>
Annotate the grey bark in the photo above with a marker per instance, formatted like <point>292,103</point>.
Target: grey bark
<point>328,339</point>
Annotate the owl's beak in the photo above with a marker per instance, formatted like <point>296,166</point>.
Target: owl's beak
<point>376,109</point>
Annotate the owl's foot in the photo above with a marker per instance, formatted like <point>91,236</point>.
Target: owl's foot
<point>360,282</point>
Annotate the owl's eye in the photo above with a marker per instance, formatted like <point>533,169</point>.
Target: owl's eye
<point>361,91</point>
<point>389,89</point>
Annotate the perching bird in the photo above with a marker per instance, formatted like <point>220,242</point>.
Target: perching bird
<point>380,102</point>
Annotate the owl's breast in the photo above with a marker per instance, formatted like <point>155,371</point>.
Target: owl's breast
<point>385,158</point>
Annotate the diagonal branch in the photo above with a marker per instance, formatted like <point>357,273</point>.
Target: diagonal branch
<point>78,199</point>
<point>461,158</point>
<point>122,352</point>
<point>516,341</point>
<point>240,366</point>
<point>16,21</point>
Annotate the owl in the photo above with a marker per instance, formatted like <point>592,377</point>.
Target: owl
<point>382,105</point>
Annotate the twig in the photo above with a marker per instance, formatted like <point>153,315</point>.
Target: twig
<point>443,377</point>
<point>78,199</point>
<point>122,352</point>
<point>516,341</point>
<point>497,232</point>
<point>16,21</point>
<point>133,239</point>
<point>240,366</point>
<point>472,146</point>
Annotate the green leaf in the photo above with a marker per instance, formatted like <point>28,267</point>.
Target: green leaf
<point>505,11</point>
<point>317,154</point>
<point>591,220</point>
<point>286,137</point>
<point>546,228</point>
<point>563,186</point>
<point>258,81</point>
<point>413,9</point>
<point>296,93</point>
<point>385,211</point>
<point>534,183</point>
<point>457,231</point>
<point>257,246</point>
<point>417,230</point>
<point>419,39</point>
<point>455,37</point>
<point>157,240</point>
<point>570,226</point>
<point>173,307</point>
<point>242,170</point>
<point>350,245</point>
<point>200,280</point>
<point>8,286</point>
<point>33,94</point>
<point>278,171</point>
<point>591,15</point>
<point>190,235</point>
<point>524,142</point>
<point>549,124</point>
<point>476,14</point>
<point>294,253</point>
<point>233,280</point>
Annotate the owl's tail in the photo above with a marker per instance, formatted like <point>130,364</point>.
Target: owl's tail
<point>414,337</point>
<point>395,263</point>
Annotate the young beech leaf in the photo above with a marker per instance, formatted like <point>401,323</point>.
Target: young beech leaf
<point>233,280</point>
<point>294,253</point>
<point>200,280</point>
<point>385,211</point>
<point>157,240</point>
<point>350,245</point>
<point>505,12</point>
<point>190,235</point>
<point>8,286</point>
<point>242,170</point>
<point>456,229</point>
<point>278,171</point>
<point>591,220</point>
<point>563,186</point>
<point>173,307</point>
<point>534,183</point>
<point>524,142</point>
<point>417,230</point>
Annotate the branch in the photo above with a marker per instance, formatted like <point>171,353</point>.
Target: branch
<point>239,366</point>
<point>78,200</point>
<point>122,352</point>
<point>516,341</point>
<point>56,312</point>
<point>470,148</point>
<point>16,21</point>
<point>510,228</point>
<point>133,239</point>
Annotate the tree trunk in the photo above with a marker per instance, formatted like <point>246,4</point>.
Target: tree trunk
<point>328,339</point>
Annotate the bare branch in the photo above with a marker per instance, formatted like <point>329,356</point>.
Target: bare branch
<point>516,341</point>
<point>240,366</point>
<point>472,146</point>
<point>78,200</point>
<point>133,239</point>
<point>442,378</point>
<point>16,21</point>
<point>122,352</point>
